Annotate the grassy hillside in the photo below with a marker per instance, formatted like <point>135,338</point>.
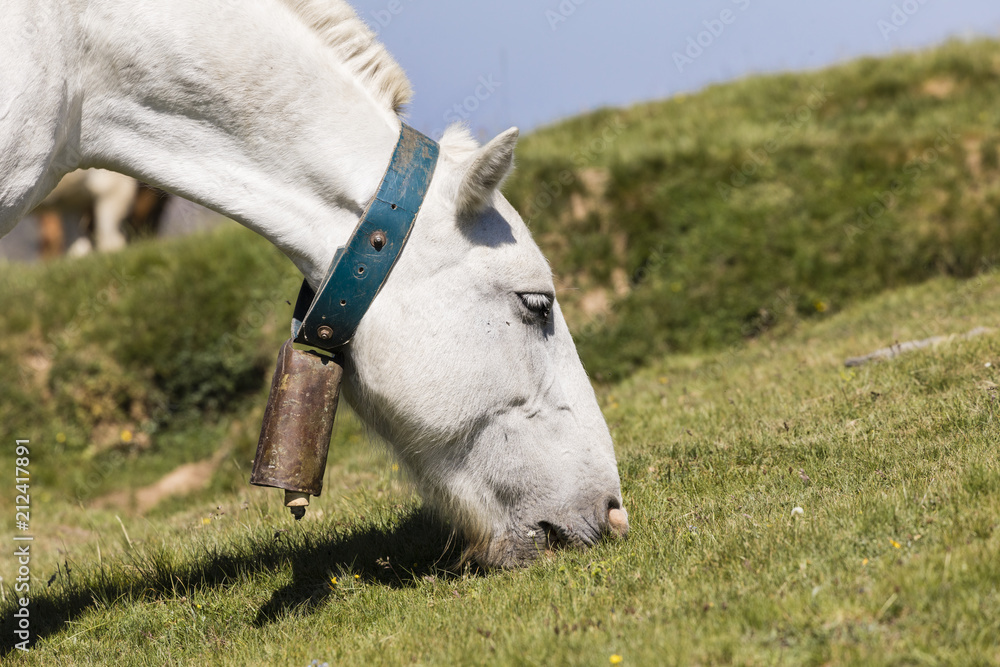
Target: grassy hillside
<point>891,560</point>
<point>130,364</point>
<point>704,220</point>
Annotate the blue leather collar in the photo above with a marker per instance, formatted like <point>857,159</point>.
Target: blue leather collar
<point>328,318</point>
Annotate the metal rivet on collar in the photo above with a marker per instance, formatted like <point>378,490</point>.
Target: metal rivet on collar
<point>324,332</point>
<point>377,239</point>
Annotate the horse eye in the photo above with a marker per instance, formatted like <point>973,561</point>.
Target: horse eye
<point>539,304</point>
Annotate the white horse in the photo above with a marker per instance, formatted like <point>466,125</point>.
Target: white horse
<point>109,196</point>
<point>283,114</point>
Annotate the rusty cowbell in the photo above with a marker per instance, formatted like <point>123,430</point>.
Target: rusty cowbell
<point>298,424</point>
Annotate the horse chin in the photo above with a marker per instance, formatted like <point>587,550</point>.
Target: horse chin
<point>506,552</point>
<point>520,547</point>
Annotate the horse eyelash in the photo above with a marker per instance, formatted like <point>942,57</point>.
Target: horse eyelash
<point>539,304</point>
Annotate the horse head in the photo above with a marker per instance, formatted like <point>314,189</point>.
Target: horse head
<point>465,365</point>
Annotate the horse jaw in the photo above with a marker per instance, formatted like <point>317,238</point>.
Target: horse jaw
<point>485,403</point>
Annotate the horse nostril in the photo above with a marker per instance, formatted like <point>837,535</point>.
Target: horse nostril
<point>618,521</point>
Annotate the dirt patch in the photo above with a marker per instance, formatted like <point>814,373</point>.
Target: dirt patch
<point>595,184</point>
<point>595,302</point>
<point>619,280</point>
<point>595,180</point>
<point>181,481</point>
<point>973,156</point>
<point>939,87</point>
<point>39,365</point>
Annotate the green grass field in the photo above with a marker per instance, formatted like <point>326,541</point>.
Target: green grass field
<point>784,509</point>
<point>892,561</point>
<point>705,220</point>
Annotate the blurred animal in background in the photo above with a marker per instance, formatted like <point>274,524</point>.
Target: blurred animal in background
<point>111,208</point>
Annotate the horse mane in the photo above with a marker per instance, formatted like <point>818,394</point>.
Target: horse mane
<point>339,27</point>
<point>458,142</point>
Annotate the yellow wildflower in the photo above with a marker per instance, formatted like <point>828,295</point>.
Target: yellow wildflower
<point>126,436</point>
<point>615,659</point>
<point>895,543</point>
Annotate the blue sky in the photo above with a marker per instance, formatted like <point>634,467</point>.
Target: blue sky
<point>532,62</point>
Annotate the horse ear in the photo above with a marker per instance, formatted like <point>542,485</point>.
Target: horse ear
<point>484,172</point>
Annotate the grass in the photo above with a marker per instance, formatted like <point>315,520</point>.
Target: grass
<point>892,560</point>
<point>718,321</point>
<point>697,222</point>
<point>137,362</point>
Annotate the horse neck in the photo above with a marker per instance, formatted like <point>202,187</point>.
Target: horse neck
<point>237,106</point>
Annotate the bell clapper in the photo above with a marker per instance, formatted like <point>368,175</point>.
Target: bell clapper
<point>297,502</point>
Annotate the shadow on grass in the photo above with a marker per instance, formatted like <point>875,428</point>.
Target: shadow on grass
<point>415,547</point>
